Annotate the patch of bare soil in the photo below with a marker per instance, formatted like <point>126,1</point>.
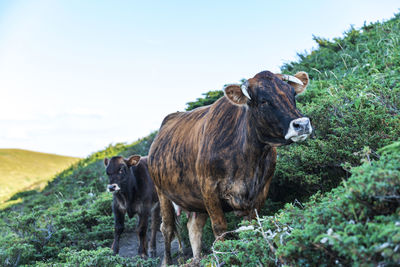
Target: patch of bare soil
<point>129,245</point>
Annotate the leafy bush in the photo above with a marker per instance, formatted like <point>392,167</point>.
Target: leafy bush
<point>101,257</point>
<point>356,224</point>
<point>209,98</point>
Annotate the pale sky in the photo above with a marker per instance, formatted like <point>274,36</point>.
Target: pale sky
<point>76,76</point>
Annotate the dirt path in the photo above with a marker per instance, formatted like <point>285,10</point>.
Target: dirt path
<point>129,245</point>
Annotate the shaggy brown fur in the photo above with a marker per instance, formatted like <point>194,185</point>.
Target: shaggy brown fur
<point>221,157</point>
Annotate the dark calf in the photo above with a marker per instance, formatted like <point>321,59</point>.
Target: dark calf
<point>133,192</point>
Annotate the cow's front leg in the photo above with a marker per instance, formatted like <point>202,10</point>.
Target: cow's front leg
<point>167,226</point>
<point>195,227</point>
<point>119,221</point>
<point>155,226</point>
<point>214,208</point>
<point>141,232</point>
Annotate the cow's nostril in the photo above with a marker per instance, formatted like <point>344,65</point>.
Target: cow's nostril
<point>111,187</point>
<point>296,126</point>
<point>301,125</point>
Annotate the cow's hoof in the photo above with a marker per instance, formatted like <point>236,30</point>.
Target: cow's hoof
<point>195,262</point>
<point>153,253</point>
<point>166,262</point>
<point>143,255</point>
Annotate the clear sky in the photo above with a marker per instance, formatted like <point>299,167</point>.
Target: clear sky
<point>77,75</point>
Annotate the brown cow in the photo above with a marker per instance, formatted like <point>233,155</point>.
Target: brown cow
<point>133,192</point>
<point>221,157</point>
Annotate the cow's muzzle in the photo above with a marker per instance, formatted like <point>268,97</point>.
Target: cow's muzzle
<point>113,188</point>
<point>299,129</point>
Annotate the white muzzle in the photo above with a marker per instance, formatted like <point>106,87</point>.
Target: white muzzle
<point>299,129</point>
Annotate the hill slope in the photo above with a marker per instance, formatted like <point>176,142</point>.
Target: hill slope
<point>23,169</point>
<point>353,101</point>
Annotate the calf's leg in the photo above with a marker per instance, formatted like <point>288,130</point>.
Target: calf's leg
<point>119,220</point>
<point>195,227</point>
<point>155,226</point>
<point>141,232</point>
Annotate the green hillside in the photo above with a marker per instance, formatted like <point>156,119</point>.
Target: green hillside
<point>334,200</point>
<point>23,170</point>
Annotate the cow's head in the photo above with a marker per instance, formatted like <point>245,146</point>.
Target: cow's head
<point>270,99</point>
<point>119,173</point>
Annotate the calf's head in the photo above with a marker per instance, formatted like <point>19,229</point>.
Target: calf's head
<point>119,172</point>
<point>270,99</point>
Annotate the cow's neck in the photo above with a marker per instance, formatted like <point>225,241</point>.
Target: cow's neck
<point>129,189</point>
<point>253,146</point>
<point>237,122</point>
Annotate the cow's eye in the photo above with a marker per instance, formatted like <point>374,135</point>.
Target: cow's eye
<point>263,101</point>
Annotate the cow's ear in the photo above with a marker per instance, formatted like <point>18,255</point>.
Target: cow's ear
<point>303,77</point>
<point>106,161</point>
<point>133,160</point>
<point>234,93</point>
<point>299,81</point>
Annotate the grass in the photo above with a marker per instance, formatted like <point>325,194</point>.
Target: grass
<point>22,170</point>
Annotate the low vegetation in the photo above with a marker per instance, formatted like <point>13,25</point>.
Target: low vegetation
<point>356,224</point>
<point>343,191</point>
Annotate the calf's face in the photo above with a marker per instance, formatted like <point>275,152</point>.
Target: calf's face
<point>270,99</point>
<point>118,172</point>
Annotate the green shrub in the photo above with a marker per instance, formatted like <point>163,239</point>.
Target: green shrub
<point>209,98</point>
<point>356,224</point>
<point>101,257</point>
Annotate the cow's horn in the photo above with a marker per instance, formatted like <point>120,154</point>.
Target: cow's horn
<point>290,78</point>
<point>244,89</point>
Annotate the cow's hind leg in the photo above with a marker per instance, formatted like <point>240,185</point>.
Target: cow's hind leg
<point>167,227</point>
<point>195,227</point>
<point>155,226</point>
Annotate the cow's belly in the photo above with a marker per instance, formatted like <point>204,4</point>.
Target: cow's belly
<point>188,203</point>
<point>184,191</point>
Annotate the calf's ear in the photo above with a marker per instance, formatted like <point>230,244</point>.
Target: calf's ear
<point>106,161</point>
<point>235,94</point>
<point>133,160</point>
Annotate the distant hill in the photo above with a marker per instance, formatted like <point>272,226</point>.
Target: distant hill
<point>23,170</point>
